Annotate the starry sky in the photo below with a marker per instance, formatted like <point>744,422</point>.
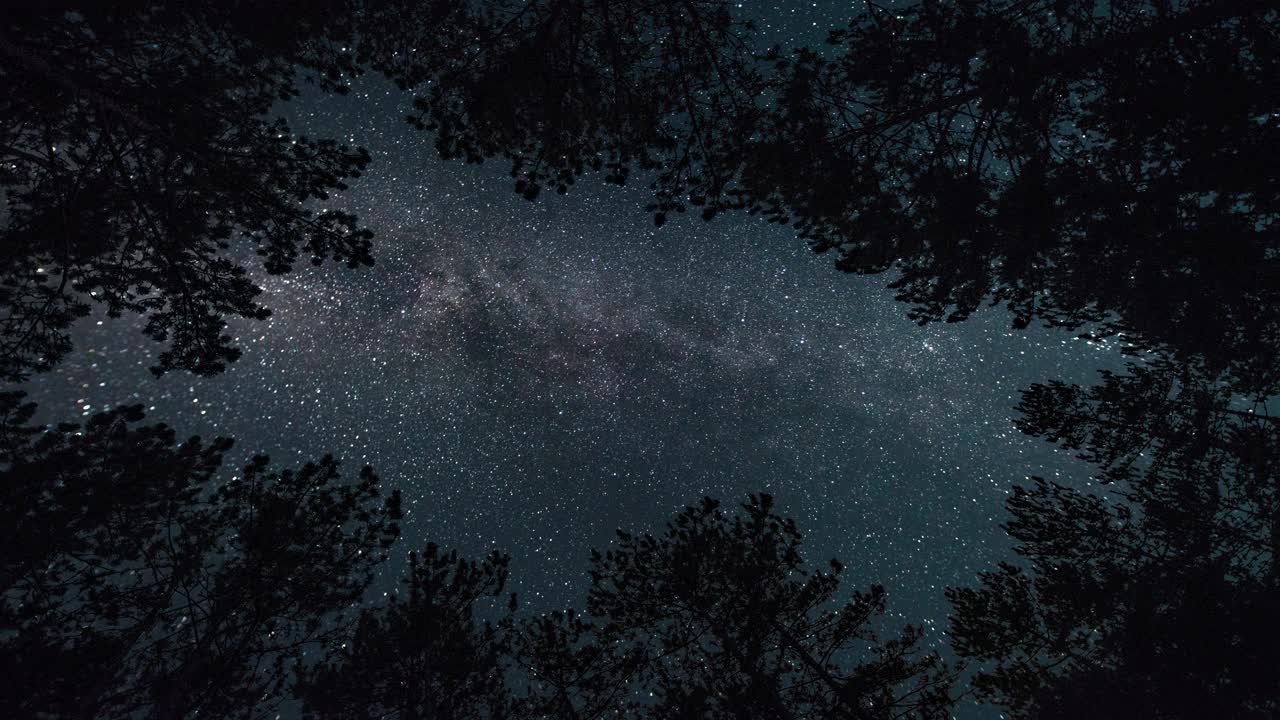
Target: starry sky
<point>533,376</point>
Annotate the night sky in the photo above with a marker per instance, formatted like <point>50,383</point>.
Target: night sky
<point>534,375</point>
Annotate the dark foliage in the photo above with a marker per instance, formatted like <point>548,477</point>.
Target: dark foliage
<point>730,622</point>
<point>139,167</point>
<point>137,583</point>
<point>1105,166</point>
<point>420,656</point>
<point>1154,598</point>
<point>573,671</point>
<point>565,87</point>
<point>1099,165</point>
<point>717,618</point>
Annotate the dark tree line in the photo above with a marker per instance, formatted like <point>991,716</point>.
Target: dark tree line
<point>140,581</point>
<point>1106,167</point>
<point>1102,166</point>
<point>137,158</point>
<point>718,617</point>
<point>1155,596</point>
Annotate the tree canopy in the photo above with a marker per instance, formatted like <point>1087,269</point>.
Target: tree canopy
<point>138,581</point>
<point>719,617</point>
<point>1149,596</point>
<point>1100,166</point>
<point>139,168</point>
<point>424,654</point>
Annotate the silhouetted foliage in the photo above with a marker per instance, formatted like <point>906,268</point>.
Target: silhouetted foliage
<point>573,671</point>
<point>564,87</point>
<point>1106,166</point>
<point>1155,596</point>
<point>1096,165</point>
<point>136,583</point>
<point>719,617</point>
<point>139,168</point>
<point>420,656</point>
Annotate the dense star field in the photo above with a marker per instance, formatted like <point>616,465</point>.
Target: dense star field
<point>535,375</point>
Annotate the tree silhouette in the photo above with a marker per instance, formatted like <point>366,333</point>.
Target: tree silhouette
<point>135,583</point>
<point>574,671</point>
<point>1096,165</point>
<point>139,169</point>
<point>719,617</point>
<point>1153,599</point>
<point>424,656</point>
<point>1104,166</point>
<point>564,87</point>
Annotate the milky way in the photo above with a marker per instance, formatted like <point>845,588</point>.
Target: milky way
<point>535,375</point>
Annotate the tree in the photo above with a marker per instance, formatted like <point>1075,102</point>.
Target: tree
<point>1102,166</point>
<point>139,169</point>
<point>717,618</point>
<point>1094,165</point>
<point>421,656</point>
<point>136,583</point>
<point>724,620</point>
<point>572,670</point>
<point>1156,598</point>
<point>564,87</point>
